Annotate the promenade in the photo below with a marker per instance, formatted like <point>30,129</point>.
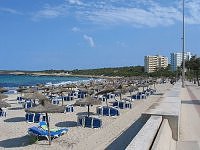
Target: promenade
<point>174,122</point>
<point>190,118</point>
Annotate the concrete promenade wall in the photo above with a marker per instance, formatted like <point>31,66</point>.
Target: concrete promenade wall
<point>165,134</point>
<point>164,140</point>
<point>143,140</point>
<point>169,108</point>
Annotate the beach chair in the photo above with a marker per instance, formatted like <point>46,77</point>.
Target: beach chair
<point>69,108</point>
<point>20,100</point>
<point>122,104</point>
<point>29,117</point>
<point>28,104</point>
<point>55,101</point>
<point>41,132</point>
<point>37,117</point>
<point>43,125</point>
<point>90,122</point>
<point>107,111</point>
<point>3,112</point>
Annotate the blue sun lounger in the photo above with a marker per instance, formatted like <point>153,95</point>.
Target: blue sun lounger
<point>42,133</point>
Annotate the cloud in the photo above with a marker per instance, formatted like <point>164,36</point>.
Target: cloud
<point>50,12</point>
<point>77,2</point>
<point>10,11</point>
<point>75,29</point>
<point>89,39</point>
<point>140,13</point>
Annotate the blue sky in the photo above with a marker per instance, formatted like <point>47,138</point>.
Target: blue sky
<point>80,34</point>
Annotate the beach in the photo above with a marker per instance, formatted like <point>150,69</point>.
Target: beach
<point>14,127</point>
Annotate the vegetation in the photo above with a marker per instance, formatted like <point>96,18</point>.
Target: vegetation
<point>127,72</point>
<point>193,69</point>
<point>165,72</point>
<point>119,71</point>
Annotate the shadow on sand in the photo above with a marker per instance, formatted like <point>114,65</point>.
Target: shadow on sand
<point>127,136</point>
<point>15,119</point>
<point>15,108</point>
<point>194,102</point>
<point>16,142</point>
<point>84,113</point>
<point>66,124</point>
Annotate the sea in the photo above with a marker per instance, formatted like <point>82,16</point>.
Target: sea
<point>13,81</point>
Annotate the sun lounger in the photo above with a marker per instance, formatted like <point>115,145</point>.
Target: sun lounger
<point>122,104</point>
<point>107,111</point>
<point>3,112</point>
<point>30,117</point>
<point>55,101</point>
<point>90,122</point>
<point>69,108</point>
<point>43,125</point>
<point>28,104</point>
<point>34,117</point>
<point>20,100</point>
<point>42,131</point>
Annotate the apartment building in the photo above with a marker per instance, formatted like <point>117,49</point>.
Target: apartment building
<point>176,59</point>
<point>153,63</point>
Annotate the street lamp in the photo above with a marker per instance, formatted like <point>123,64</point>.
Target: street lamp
<point>183,46</point>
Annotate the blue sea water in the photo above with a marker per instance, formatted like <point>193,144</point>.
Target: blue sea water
<point>28,80</point>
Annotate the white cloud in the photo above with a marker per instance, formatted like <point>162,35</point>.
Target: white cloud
<point>89,39</point>
<point>142,13</point>
<point>149,13</point>
<point>11,11</point>
<point>75,29</point>
<point>50,12</point>
<point>193,12</point>
<point>77,2</point>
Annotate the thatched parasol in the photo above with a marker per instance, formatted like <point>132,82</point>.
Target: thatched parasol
<point>4,104</point>
<point>60,91</point>
<point>29,90</point>
<point>2,96</point>
<point>69,86</point>
<point>144,85</point>
<point>88,101</point>
<point>105,91</point>
<point>46,107</point>
<point>2,90</point>
<point>34,96</point>
<point>132,89</point>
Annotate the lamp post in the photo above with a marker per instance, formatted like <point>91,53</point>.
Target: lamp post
<point>183,46</point>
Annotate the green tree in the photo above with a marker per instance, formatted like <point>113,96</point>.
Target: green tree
<point>193,66</point>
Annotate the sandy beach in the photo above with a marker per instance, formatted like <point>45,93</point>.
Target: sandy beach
<point>14,127</point>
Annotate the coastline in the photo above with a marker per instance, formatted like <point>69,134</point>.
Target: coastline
<point>56,74</point>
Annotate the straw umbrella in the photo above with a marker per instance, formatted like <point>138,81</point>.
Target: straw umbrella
<point>34,96</point>
<point>60,91</point>
<point>88,101</point>
<point>105,91</point>
<point>46,107</point>
<point>2,90</point>
<point>2,96</point>
<point>132,89</point>
<point>4,104</point>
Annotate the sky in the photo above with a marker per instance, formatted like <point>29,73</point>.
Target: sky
<point>82,34</point>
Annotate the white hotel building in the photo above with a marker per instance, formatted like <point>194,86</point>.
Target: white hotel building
<point>176,59</point>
